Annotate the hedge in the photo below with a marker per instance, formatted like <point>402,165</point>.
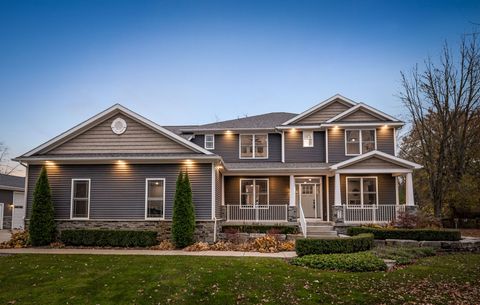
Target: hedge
<point>260,229</point>
<point>362,242</point>
<point>355,262</point>
<point>414,234</point>
<point>109,238</point>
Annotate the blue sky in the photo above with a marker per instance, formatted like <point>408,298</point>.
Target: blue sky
<point>180,62</point>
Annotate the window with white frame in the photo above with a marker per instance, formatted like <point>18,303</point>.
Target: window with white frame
<point>155,198</point>
<point>359,141</point>
<point>362,191</point>
<point>209,141</point>
<point>307,138</point>
<point>80,200</point>
<point>253,192</point>
<point>254,146</point>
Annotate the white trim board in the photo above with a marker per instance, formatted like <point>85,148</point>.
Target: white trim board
<point>146,197</point>
<point>379,154</point>
<point>89,197</point>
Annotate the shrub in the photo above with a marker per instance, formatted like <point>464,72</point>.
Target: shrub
<point>415,234</point>
<point>419,219</point>
<point>108,238</point>
<point>404,255</point>
<point>358,243</point>
<point>356,262</point>
<point>261,229</point>
<point>42,223</point>
<point>183,227</point>
<point>17,240</point>
<point>266,244</point>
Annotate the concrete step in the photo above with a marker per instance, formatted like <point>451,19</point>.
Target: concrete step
<point>331,234</point>
<point>319,228</point>
<point>318,221</point>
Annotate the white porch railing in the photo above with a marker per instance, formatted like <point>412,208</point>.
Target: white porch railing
<point>303,222</point>
<point>257,213</point>
<point>382,213</point>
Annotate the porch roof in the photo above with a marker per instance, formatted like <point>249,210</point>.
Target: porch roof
<point>276,167</point>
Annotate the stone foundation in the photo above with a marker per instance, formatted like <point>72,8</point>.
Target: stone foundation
<point>464,245</point>
<point>204,230</point>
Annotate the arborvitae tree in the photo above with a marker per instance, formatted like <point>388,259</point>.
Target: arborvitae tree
<point>183,227</point>
<point>42,224</point>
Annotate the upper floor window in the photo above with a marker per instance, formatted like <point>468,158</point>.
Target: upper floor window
<point>359,141</point>
<point>155,198</point>
<point>254,146</point>
<point>209,141</point>
<point>307,138</point>
<point>80,201</point>
<point>253,192</point>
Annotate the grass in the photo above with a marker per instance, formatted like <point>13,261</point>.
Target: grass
<point>403,255</point>
<point>85,279</point>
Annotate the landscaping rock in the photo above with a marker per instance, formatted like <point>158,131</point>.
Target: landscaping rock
<point>379,243</point>
<point>402,243</point>
<point>431,244</point>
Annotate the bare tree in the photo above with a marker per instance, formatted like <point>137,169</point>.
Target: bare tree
<point>443,103</point>
<point>6,166</point>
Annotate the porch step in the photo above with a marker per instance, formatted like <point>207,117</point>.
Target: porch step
<point>320,235</point>
<point>316,229</point>
<point>320,230</point>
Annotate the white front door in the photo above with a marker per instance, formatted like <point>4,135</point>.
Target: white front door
<point>308,199</point>
<point>18,211</point>
<point>1,215</point>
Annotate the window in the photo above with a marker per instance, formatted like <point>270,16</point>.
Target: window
<point>362,191</point>
<point>359,141</point>
<point>307,138</point>
<point>155,198</point>
<point>253,146</point>
<point>209,141</point>
<point>253,192</point>
<point>80,204</point>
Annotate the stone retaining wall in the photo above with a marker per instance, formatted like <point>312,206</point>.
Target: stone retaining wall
<point>243,237</point>
<point>464,245</point>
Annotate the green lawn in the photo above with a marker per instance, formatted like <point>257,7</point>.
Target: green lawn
<point>82,279</point>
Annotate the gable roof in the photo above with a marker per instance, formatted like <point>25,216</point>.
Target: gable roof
<point>319,106</point>
<point>363,107</point>
<point>262,121</point>
<point>381,155</point>
<point>117,108</point>
<point>14,183</point>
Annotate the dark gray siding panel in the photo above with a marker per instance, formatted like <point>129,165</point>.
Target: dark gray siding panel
<point>278,189</point>
<point>295,152</point>
<point>118,191</point>
<point>386,187</point>
<point>227,146</point>
<point>336,143</point>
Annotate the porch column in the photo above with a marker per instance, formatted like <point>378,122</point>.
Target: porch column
<point>409,191</point>
<point>338,196</point>
<point>292,190</point>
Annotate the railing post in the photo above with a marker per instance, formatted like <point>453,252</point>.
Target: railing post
<point>374,217</point>
<point>228,212</point>
<point>256,213</point>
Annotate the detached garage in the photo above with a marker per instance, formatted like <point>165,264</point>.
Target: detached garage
<point>12,202</point>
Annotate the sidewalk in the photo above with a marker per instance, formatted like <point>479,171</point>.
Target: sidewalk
<point>289,254</point>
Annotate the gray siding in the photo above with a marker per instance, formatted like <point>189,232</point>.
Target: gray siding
<point>361,116</point>
<point>374,163</point>
<point>336,143</point>
<point>136,139</point>
<point>295,152</point>
<point>6,197</point>
<point>278,189</point>
<point>118,191</point>
<point>227,146</point>
<point>325,113</point>
<point>386,188</point>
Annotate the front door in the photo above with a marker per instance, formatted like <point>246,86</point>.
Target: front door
<point>308,195</point>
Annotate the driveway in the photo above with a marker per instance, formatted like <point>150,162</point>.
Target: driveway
<point>4,235</point>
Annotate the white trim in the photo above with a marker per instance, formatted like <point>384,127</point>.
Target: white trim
<point>100,159</point>
<point>376,153</point>
<point>214,195</point>
<point>358,106</point>
<point>146,198</point>
<point>303,138</point>
<point>117,107</point>
<point>374,171</point>
<point>306,127</point>
<point>205,141</point>
<point>326,145</point>
<point>292,190</point>
<point>26,188</point>
<point>24,209</point>
<point>361,188</point>
<point>283,146</point>
<point>254,190</point>
<point>2,210</point>
<point>71,198</point>
<point>394,141</point>
<point>254,135</point>
<point>223,189</point>
<point>327,188</point>
<point>315,195</point>
<point>358,124</point>
<point>397,196</point>
<point>319,106</point>
<point>360,140</point>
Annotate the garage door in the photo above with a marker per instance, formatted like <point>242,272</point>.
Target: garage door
<point>18,217</point>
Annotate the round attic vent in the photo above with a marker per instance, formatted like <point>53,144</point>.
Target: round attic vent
<point>119,126</point>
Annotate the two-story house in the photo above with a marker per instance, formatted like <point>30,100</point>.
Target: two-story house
<point>335,162</point>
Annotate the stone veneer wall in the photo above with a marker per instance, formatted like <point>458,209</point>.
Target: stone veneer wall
<point>204,230</point>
